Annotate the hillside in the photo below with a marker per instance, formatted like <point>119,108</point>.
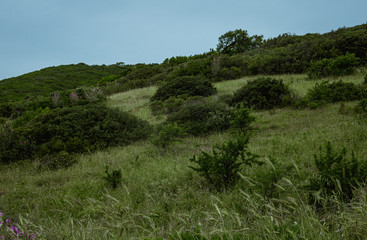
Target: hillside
<point>161,197</point>
<point>48,80</point>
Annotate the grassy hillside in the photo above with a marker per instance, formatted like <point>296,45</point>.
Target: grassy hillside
<point>48,80</point>
<point>160,197</point>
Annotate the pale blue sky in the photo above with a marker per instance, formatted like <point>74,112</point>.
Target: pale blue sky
<point>40,33</point>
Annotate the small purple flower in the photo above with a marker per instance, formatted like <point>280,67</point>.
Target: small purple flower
<point>7,220</point>
<point>1,214</point>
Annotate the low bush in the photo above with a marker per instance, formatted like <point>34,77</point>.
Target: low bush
<point>167,134</point>
<point>334,92</point>
<point>14,145</point>
<point>113,178</point>
<point>262,93</point>
<point>221,168</point>
<point>337,174</point>
<point>56,161</point>
<point>339,66</point>
<point>190,85</point>
<point>85,128</point>
<point>202,116</point>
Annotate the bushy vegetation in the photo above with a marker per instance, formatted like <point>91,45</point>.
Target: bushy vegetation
<point>73,129</point>
<point>339,66</point>
<point>337,174</point>
<point>262,93</point>
<point>191,86</point>
<point>221,168</point>
<point>202,116</point>
<point>336,91</point>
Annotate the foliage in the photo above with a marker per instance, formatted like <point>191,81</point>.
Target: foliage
<point>85,128</point>
<point>365,79</point>
<point>262,93</point>
<point>114,178</point>
<point>237,41</point>
<point>221,168</point>
<point>202,116</point>
<point>190,85</point>
<point>339,66</point>
<point>335,91</point>
<point>167,134</point>
<point>14,145</point>
<point>10,230</point>
<point>337,174</point>
<point>51,79</point>
<point>242,120</point>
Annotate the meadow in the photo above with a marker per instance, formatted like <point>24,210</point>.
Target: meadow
<point>161,197</point>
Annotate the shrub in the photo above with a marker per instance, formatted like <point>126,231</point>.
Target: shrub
<point>202,116</point>
<point>242,119</point>
<point>334,92</point>
<point>190,85</point>
<point>85,128</point>
<point>14,145</point>
<point>337,174</point>
<point>167,134</point>
<point>114,178</point>
<point>221,167</point>
<point>339,66</point>
<point>365,79</point>
<point>262,93</point>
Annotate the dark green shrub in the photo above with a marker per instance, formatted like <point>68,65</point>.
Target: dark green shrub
<point>365,79</point>
<point>262,93</point>
<point>167,134</point>
<point>337,174</point>
<point>85,128</point>
<point>2,120</point>
<point>334,92</point>
<point>339,66</point>
<point>242,120</point>
<point>190,85</point>
<point>221,168</point>
<point>14,145</point>
<point>202,116</point>
<point>114,178</point>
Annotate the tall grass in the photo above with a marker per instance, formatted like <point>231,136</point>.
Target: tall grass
<point>160,197</point>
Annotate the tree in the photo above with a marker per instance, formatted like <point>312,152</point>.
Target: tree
<point>238,41</point>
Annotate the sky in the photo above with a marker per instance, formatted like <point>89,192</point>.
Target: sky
<point>35,34</point>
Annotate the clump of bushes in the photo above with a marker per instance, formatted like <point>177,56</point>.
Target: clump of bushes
<point>335,91</point>
<point>74,129</point>
<point>202,116</point>
<point>262,93</point>
<point>337,174</point>
<point>221,168</point>
<point>339,66</point>
<point>85,128</point>
<point>189,85</point>
<point>167,134</point>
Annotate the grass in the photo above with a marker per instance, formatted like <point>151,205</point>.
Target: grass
<point>162,198</point>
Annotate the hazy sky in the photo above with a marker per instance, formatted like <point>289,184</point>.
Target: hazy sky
<point>35,34</point>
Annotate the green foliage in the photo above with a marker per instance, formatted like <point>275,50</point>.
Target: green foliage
<point>85,128</point>
<point>167,134</point>
<point>14,145</point>
<point>202,116</point>
<point>262,93</point>
<point>242,120</point>
<point>48,80</point>
<point>337,174</point>
<point>114,178</point>
<point>237,41</point>
<point>190,85</point>
<point>335,91</point>
<point>365,79</point>
<point>221,168</point>
<point>339,66</point>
